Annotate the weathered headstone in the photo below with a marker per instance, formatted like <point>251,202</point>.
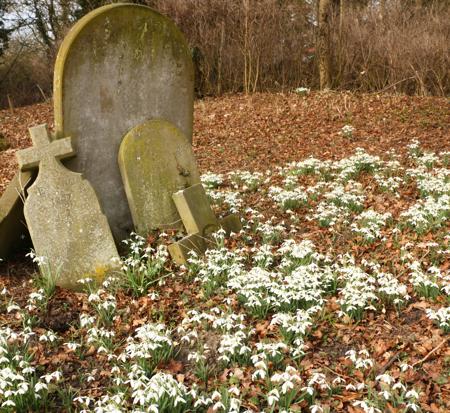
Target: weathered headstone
<point>63,214</point>
<point>156,160</point>
<point>199,221</point>
<point>13,231</point>
<point>118,67</point>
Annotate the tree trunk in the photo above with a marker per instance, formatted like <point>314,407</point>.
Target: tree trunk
<point>342,11</point>
<point>323,44</point>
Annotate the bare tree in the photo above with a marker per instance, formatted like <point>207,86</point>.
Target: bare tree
<point>323,43</point>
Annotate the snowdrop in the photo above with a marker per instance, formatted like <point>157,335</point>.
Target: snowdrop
<point>250,181</point>
<point>302,91</point>
<point>288,199</point>
<point>427,214</point>
<point>233,347</point>
<point>211,180</point>
<point>287,386</point>
<point>358,292</point>
<point>347,131</point>
<point>369,224</point>
<point>389,183</point>
<point>150,344</point>
<point>441,317</point>
<point>360,359</point>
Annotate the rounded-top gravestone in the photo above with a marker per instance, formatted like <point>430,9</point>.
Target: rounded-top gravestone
<point>156,160</point>
<point>119,66</point>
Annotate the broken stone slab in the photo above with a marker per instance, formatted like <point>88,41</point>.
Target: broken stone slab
<point>195,210</point>
<point>13,231</point>
<point>181,251</point>
<point>119,66</point>
<point>156,160</point>
<point>63,215</point>
<point>199,221</point>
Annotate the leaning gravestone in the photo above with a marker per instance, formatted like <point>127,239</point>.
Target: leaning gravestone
<point>119,66</point>
<point>156,160</point>
<point>63,215</point>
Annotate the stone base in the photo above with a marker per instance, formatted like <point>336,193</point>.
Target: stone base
<point>180,250</point>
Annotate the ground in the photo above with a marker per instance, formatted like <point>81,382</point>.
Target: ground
<point>335,297</point>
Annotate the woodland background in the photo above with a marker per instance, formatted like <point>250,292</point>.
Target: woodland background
<point>398,46</point>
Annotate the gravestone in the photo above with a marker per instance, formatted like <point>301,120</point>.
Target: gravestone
<point>156,160</point>
<point>13,231</point>
<point>199,221</point>
<point>63,214</point>
<point>118,67</point>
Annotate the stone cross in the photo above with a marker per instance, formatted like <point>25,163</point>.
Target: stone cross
<point>199,221</point>
<point>63,215</point>
<point>44,152</point>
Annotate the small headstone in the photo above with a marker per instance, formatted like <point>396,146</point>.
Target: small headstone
<point>118,67</point>
<point>13,231</point>
<point>156,160</point>
<point>199,221</point>
<point>63,214</point>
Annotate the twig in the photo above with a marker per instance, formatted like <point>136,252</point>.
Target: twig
<point>389,363</point>
<point>395,84</point>
<point>335,372</point>
<point>392,359</point>
<point>430,353</point>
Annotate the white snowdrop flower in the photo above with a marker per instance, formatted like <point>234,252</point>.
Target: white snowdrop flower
<point>412,394</point>
<point>318,379</point>
<point>287,386</point>
<point>428,213</point>
<point>404,367</point>
<point>28,370</point>
<point>347,131</point>
<point>211,180</point>
<point>49,336</point>
<point>386,395</point>
<point>309,390</point>
<point>386,378</point>
<point>399,385</point>
<point>12,307</point>
<point>215,396</point>
<point>303,91</point>
<point>86,320</point>
<point>338,380</point>
<point>234,391</point>
<point>414,407</point>
<point>441,317</point>
<point>72,346</point>
<point>273,397</point>
<point>314,408</point>
<point>218,406</point>
<point>55,376</point>
<point>86,280</point>
<point>288,199</point>
<point>366,407</point>
<point>40,386</point>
